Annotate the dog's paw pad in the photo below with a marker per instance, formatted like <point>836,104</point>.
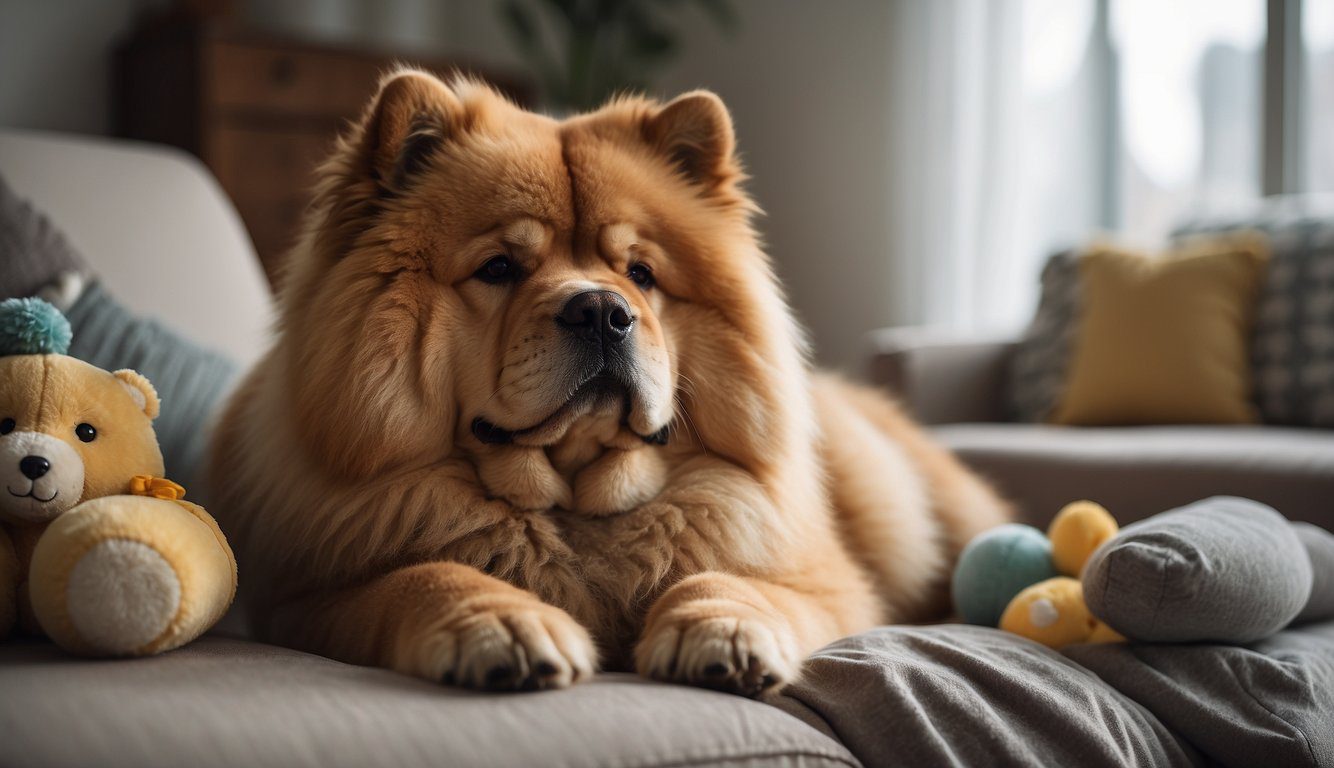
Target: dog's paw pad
<point>525,649</point>
<point>735,655</point>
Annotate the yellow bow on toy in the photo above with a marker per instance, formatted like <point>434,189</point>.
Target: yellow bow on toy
<point>157,487</point>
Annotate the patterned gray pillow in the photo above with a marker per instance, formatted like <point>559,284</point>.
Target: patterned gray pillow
<point>1292,351</point>
<point>1042,356</point>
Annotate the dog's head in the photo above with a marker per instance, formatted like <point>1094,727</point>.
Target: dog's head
<point>476,272</point>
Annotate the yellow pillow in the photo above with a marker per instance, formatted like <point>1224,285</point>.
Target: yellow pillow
<point>1166,340</point>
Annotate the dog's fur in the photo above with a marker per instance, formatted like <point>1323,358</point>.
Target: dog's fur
<point>418,476</point>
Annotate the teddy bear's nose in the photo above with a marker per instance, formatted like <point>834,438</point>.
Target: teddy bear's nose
<point>34,467</point>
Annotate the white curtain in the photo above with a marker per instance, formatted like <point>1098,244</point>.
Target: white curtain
<point>998,124</point>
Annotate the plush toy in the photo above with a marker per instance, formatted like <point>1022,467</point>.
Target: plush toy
<point>1223,569</point>
<point>97,549</point>
<point>995,566</point>
<point>1015,577</point>
<point>1053,611</point>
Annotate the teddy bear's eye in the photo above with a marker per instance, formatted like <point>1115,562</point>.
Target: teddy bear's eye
<point>6,426</point>
<point>86,432</point>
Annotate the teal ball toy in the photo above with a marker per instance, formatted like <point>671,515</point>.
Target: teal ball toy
<point>997,565</point>
<point>32,327</point>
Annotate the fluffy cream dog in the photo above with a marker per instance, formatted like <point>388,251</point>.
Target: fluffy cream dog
<point>537,400</point>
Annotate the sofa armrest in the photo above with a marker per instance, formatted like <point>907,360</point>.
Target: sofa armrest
<point>942,379</point>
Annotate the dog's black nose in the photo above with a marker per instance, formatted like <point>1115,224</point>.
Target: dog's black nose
<point>597,316</point>
<point>34,467</point>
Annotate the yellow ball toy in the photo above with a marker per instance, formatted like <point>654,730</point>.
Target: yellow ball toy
<point>1053,612</point>
<point>1077,530</point>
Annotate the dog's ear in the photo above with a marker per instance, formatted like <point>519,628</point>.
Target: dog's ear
<point>694,131</point>
<point>412,115</point>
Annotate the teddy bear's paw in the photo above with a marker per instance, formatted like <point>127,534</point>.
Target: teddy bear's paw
<point>518,648</point>
<point>122,595</point>
<point>747,656</point>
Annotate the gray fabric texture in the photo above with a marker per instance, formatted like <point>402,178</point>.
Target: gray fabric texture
<point>32,251</point>
<point>964,695</point>
<point>1042,355</point>
<point>1140,471</point>
<point>1220,570</point>
<point>220,702</point>
<point>1292,346</point>
<point>1271,704</point>
<point>894,696</point>
<point>1319,545</point>
<point>189,380</point>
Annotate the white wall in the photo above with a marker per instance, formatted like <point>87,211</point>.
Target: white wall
<point>809,84</point>
<point>809,87</point>
<point>55,59</point>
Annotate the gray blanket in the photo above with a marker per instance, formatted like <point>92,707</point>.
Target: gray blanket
<point>959,695</point>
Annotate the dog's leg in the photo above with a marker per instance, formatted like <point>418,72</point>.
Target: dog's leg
<point>744,635</point>
<point>445,622</point>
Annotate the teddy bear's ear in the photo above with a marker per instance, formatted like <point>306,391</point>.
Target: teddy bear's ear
<point>141,389</point>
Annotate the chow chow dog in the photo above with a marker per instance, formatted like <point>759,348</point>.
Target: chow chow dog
<point>537,406</point>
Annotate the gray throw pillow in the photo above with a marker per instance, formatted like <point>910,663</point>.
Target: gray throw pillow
<point>1042,355</point>
<point>1224,569</point>
<point>1319,545</point>
<point>33,253</point>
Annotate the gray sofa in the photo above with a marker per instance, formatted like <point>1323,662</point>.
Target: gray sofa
<point>947,694</point>
<point>958,387</point>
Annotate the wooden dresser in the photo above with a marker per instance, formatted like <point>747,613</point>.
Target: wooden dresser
<point>259,110</point>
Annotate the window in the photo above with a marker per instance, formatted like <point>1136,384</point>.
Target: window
<point>1318,100</point>
<point>1189,98</point>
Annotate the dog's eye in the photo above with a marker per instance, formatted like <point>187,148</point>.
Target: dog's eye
<point>6,426</point>
<point>641,276</point>
<point>86,432</point>
<point>498,269</point>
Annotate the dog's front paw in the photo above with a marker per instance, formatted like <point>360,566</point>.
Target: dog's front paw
<point>745,654</point>
<point>526,647</point>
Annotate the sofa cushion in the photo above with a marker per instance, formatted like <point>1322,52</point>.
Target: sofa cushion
<point>222,702</point>
<point>1140,471</point>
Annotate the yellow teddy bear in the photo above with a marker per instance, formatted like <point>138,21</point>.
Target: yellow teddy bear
<point>1053,612</point>
<point>97,550</point>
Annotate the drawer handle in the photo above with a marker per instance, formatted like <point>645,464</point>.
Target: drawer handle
<point>283,70</point>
